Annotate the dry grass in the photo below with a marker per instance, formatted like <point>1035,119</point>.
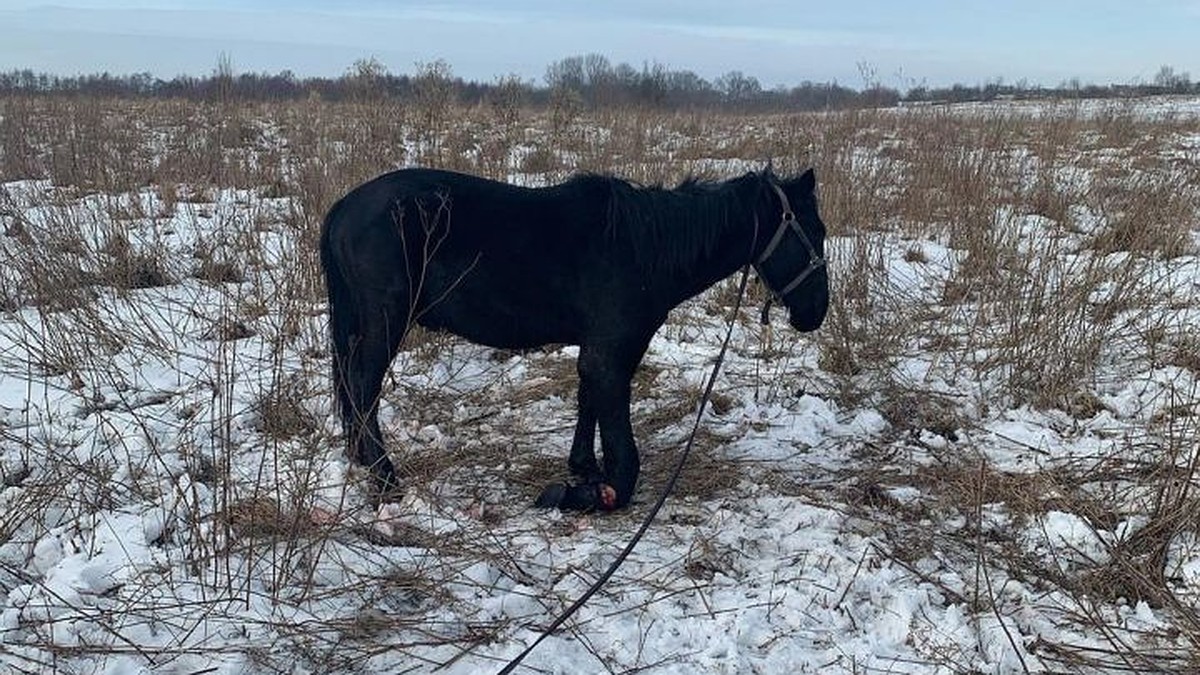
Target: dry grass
<point>1033,253</point>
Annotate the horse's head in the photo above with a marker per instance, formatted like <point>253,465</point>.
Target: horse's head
<point>792,259</point>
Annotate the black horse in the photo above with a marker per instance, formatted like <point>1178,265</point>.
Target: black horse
<point>595,262</point>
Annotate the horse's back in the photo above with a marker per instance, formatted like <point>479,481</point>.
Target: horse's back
<point>499,264</point>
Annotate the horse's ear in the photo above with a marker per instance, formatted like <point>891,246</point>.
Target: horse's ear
<point>769,169</point>
<point>808,182</point>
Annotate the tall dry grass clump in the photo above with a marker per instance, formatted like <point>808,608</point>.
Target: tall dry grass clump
<point>982,261</point>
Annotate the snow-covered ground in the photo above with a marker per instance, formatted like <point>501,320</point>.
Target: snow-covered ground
<point>175,499</point>
<point>1152,106</point>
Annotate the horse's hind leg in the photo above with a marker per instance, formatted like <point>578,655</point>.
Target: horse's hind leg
<point>371,356</point>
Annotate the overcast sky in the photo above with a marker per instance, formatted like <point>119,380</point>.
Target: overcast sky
<point>905,42</point>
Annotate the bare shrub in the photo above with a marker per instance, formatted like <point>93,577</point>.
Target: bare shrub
<point>20,155</point>
<point>980,260</point>
<point>127,269</point>
<point>219,272</point>
<point>1146,213</point>
<point>433,100</point>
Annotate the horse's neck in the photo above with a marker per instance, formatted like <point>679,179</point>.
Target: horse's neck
<point>733,250</point>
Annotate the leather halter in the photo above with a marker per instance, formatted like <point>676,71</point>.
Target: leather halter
<point>788,222</point>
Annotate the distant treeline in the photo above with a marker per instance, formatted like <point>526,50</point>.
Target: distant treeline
<point>590,81</point>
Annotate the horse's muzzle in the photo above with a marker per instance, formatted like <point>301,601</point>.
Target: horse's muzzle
<point>806,322</point>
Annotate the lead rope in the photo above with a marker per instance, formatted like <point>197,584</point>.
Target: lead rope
<point>662,498</point>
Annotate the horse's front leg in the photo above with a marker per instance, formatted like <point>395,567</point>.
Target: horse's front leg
<point>605,374</point>
<point>621,462</point>
<point>582,461</point>
<point>583,495</point>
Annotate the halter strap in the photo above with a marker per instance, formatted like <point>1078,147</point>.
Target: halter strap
<point>788,215</point>
<point>788,222</point>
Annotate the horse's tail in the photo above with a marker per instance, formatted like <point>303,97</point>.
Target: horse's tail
<point>343,316</point>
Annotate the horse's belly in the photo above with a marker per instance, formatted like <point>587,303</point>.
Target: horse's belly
<point>518,307</point>
<point>499,326</point>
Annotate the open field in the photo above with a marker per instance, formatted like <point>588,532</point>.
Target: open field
<point>986,461</point>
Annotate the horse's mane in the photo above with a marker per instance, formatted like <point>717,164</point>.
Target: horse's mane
<point>668,229</point>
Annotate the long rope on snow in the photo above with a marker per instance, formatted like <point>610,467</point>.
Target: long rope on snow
<point>662,498</point>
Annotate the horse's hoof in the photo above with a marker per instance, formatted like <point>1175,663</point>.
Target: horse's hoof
<point>580,497</point>
<point>552,497</point>
<point>607,495</point>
